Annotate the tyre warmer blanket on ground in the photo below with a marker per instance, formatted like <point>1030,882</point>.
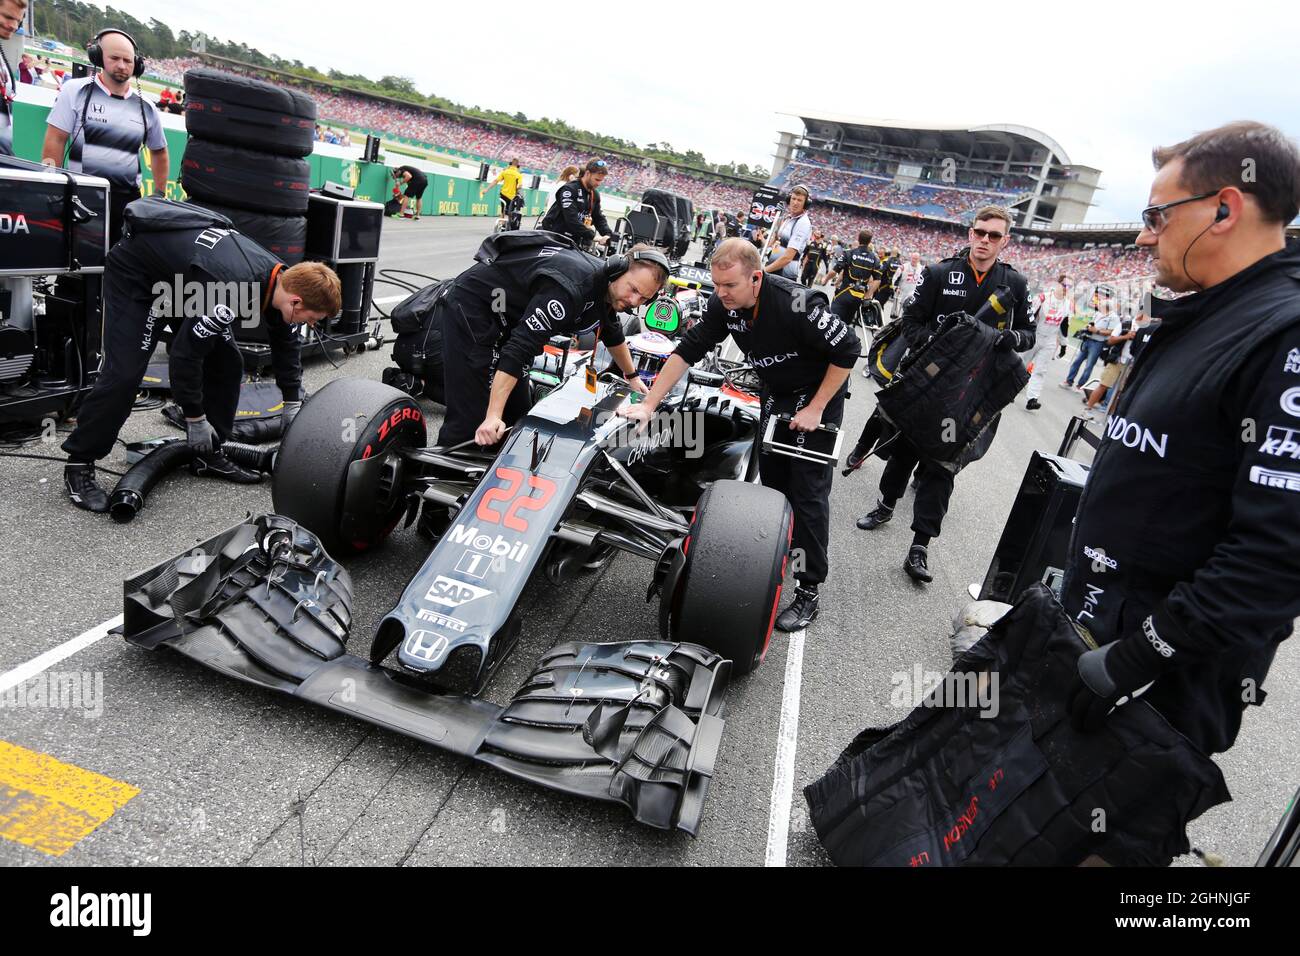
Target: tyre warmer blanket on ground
<point>948,787</point>
<point>956,378</point>
<point>636,723</point>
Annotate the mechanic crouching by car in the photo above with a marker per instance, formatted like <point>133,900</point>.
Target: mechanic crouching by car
<point>166,245</point>
<point>803,353</point>
<point>962,283</point>
<point>498,315</point>
<point>576,210</point>
<point>1184,565</point>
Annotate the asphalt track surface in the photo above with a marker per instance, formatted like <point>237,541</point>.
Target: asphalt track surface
<point>229,774</point>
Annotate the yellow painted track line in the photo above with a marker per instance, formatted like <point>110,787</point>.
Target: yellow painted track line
<point>50,805</point>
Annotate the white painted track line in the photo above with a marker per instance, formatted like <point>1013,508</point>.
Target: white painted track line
<point>787,737</point>
<point>25,672</point>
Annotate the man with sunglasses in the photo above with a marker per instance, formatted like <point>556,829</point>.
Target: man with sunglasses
<point>576,210</point>
<point>1183,565</point>
<point>960,284</point>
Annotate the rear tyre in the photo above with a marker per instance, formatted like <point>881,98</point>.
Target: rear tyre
<point>339,472</point>
<point>727,594</point>
<point>246,179</point>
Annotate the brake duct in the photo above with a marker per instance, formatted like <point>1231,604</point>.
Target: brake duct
<point>636,723</point>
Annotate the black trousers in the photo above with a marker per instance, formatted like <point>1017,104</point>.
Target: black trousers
<point>847,307</point>
<point>809,271</point>
<point>117,201</point>
<point>806,485</point>
<point>468,365</point>
<point>131,334</point>
<point>933,486</point>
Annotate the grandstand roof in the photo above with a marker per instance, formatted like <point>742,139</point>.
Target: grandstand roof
<point>902,127</point>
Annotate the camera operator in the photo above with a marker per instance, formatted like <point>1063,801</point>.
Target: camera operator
<point>858,274</point>
<point>169,243</point>
<point>804,354</point>
<point>96,128</point>
<point>1183,563</point>
<point>576,210</point>
<point>499,315</point>
<point>960,284</point>
<point>792,236</point>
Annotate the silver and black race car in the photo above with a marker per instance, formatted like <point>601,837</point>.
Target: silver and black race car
<point>571,485</point>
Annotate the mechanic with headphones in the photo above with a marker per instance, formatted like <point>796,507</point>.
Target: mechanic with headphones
<point>804,354</point>
<point>95,128</point>
<point>1183,564</point>
<point>858,273</point>
<point>498,314</point>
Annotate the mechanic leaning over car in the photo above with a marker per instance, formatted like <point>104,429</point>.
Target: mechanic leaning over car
<point>962,283</point>
<point>1184,563</point>
<point>803,353</point>
<point>576,210</point>
<point>165,243</point>
<point>98,125</point>
<point>497,317</point>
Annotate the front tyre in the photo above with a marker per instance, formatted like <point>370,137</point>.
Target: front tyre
<point>339,472</point>
<point>726,594</point>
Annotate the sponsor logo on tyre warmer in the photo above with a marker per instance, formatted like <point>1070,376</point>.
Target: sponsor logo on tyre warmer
<point>1285,480</point>
<point>1282,442</point>
<point>426,645</point>
<point>452,593</point>
<point>1291,402</point>
<point>441,620</point>
<point>497,547</point>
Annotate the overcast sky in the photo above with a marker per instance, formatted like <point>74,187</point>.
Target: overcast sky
<point>1107,80</point>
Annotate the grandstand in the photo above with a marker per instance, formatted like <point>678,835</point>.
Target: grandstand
<point>942,172</point>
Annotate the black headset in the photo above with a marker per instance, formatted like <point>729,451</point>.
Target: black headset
<point>1223,212</point>
<point>95,53</point>
<point>615,266</point>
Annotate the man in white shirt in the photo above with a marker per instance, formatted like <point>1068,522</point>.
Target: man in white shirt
<point>793,236</point>
<point>908,276</point>
<point>1053,316</point>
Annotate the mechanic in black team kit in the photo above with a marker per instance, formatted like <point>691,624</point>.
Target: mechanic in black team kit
<point>804,354</point>
<point>498,315</point>
<point>416,183</point>
<point>858,273</point>
<point>576,210</point>
<point>960,284</point>
<point>166,243</point>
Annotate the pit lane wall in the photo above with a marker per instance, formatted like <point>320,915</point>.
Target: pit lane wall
<point>446,195</point>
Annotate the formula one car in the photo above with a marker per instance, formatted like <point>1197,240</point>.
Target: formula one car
<point>572,484</point>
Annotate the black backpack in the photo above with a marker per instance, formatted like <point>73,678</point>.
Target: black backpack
<point>156,214</point>
<point>520,241</point>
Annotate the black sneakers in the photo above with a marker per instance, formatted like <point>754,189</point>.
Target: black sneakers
<point>876,517</point>
<point>214,464</point>
<point>801,612</point>
<point>917,564</point>
<point>1032,404</point>
<point>83,489</point>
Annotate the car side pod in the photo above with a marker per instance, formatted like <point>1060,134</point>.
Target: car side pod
<point>636,723</point>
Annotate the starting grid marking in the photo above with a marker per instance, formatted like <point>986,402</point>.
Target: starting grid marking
<point>50,805</point>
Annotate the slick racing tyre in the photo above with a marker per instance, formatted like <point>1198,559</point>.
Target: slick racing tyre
<point>241,111</point>
<point>727,592</point>
<point>245,179</point>
<point>339,473</point>
<point>285,237</point>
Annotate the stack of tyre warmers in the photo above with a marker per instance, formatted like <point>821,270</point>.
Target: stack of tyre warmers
<point>245,156</point>
<point>948,393</point>
<point>417,349</point>
<point>948,786</point>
